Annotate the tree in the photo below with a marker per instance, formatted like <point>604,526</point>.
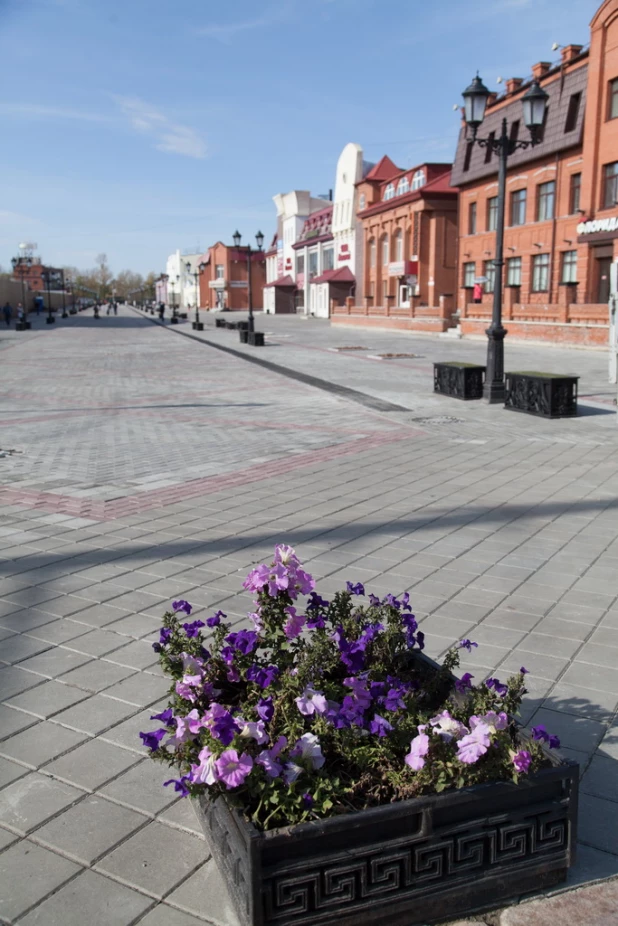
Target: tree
<point>103,276</point>
<point>127,281</point>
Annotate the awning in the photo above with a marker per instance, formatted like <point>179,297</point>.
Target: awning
<point>341,275</point>
<point>282,281</point>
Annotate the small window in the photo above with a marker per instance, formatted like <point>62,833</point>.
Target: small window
<point>492,213</point>
<point>389,191</point>
<point>313,264</point>
<point>518,207</point>
<point>328,259</point>
<point>613,99</point>
<point>546,194</point>
<point>540,273</point>
<point>576,188</point>
<point>472,219</point>
<point>403,186</point>
<point>419,180</point>
<point>300,263</point>
<point>399,244</point>
<point>513,271</point>
<point>514,133</point>
<point>610,185</point>
<point>572,112</point>
<point>469,272</point>
<point>385,254</point>
<point>468,155</point>
<point>361,202</point>
<point>490,273</point>
<point>219,271</point>
<point>372,253</point>
<point>489,150</point>
<point>569,266</point>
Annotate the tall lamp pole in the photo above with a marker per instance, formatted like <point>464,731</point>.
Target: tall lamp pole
<point>534,104</point>
<point>197,324</point>
<point>24,264</point>
<point>47,277</point>
<point>65,314</point>
<point>237,237</point>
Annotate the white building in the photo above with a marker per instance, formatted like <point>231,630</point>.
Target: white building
<point>181,290</point>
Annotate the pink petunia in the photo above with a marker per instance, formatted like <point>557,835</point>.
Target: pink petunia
<point>419,747</point>
<point>232,769</point>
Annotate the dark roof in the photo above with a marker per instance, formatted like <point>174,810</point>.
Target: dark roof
<point>555,139</point>
<point>340,275</point>
<point>440,188</point>
<point>282,281</point>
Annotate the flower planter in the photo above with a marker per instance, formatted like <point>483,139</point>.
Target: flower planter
<point>231,326</point>
<point>439,856</point>
<point>458,380</point>
<point>220,323</point>
<point>244,336</point>
<point>242,326</point>
<point>256,338</point>
<point>548,395</point>
<point>174,320</point>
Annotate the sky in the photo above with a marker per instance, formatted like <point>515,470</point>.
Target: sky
<point>138,127</point>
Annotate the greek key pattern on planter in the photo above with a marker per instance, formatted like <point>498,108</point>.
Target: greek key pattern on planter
<point>387,873</point>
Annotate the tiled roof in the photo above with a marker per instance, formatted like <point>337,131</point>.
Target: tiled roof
<point>382,170</point>
<point>317,225</point>
<point>440,187</point>
<point>555,139</point>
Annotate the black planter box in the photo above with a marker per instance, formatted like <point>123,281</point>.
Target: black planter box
<point>231,326</point>
<point>545,394</point>
<point>242,326</point>
<point>21,326</point>
<point>244,336</point>
<point>256,338</point>
<point>459,380</point>
<point>174,319</point>
<point>220,323</point>
<point>50,320</point>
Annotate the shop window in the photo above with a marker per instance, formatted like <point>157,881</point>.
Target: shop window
<point>403,186</point>
<point>385,253</point>
<point>613,99</point>
<point>518,207</point>
<point>569,266</point>
<point>313,264</point>
<point>575,192</point>
<point>389,192</point>
<point>490,274</point>
<point>300,263</point>
<point>469,272</point>
<point>472,218</point>
<point>610,185</point>
<point>513,271</point>
<point>492,213</point>
<point>546,195</point>
<point>419,179</point>
<point>540,273</point>
<point>572,112</point>
<point>328,259</point>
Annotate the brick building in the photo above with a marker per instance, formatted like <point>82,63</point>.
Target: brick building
<point>407,274</point>
<point>32,274</point>
<point>561,214</point>
<point>223,282</point>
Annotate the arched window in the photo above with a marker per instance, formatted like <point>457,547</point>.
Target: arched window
<point>361,202</point>
<point>385,250</point>
<point>418,179</point>
<point>389,192</point>
<point>403,186</point>
<point>399,244</point>
<point>372,252</point>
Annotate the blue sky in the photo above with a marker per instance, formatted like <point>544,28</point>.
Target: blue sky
<point>138,127</point>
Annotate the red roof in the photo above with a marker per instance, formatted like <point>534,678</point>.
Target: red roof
<point>282,281</point>
<point>383,170</point>
<point>341,275</point>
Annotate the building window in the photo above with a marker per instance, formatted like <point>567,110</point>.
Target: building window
<point>518,207</point>
<point>418,180</point>
<point>219,271</point>
<point>468,155</point>
<point>492,213</point>
<point>610,185</point>
<point>540,273</point>
<point>514,133</point>
<point>399,244</point>
<point>328,259</point>
<point>572,112</point>
<point>472,218</point>
<point>469,272</point>
<point>513,271</point>
<point>490,273</point>
<point>569,266</point>
<point>389,192</point>
<point>489,150</point>
<point>385,250</point>
<point>546,194</point>
<point>403,186</point>
<point>361,202</point>
<point>372,253</point>
<point>300,263</point>
<point>612,108</point>
<point>576,188</point>
<point>313,264</point>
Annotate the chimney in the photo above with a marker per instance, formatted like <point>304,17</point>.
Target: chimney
<point>569,52</point>
<point>513,84</point>
<point>540,70</point>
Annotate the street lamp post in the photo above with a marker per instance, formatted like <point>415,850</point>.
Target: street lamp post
<point>24,264</point>
<point>237,237</point>
<point>50,320</point>
<point>197,324</point>
<point>65,314</point>
<point>174,318</point>
<point>534,103</point>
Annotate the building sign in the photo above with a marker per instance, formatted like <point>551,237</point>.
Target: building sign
<point>598,225</point>
<point>238,284</point>
<point>216,284</point>
<point>399,268</point>
<point>344,253</point>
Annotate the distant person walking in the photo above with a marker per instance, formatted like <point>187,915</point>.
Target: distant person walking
<point>477,293</point>
<point>115,308</point>
<point>38,302</point>
<point>7,311</point>
<point>162,312</point>
<point>20,313</point>
<point>109,308</point>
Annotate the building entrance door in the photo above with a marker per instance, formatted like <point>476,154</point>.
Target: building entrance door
<point>603,266</point>
<point>220,297</point>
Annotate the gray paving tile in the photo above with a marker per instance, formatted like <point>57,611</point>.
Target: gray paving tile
<point>95,643</point>
<point>598,822</point>
<point>47,699</point>
<point>96,676</point>
<point>574,731</point>
<point>601,778</point>
<point>135,655</point>
<point>91,764</point>
<point>597,654</point>
<point>94,714</point>
<point>37,745</point>
<point>135,625</point>
<point>182,815</point>
<point>596,678</point>
<point>58,631</point>
<point>12,721</point>
<point>206,882</point>
<point>54,662</point>
<point>140,689</point>
<point>164,915</point>
<point>141,787</point>
<point>597,705</point>
<point>10,771</point>
<point>609,743</point>
<point>20,647</point>
<point>14,680</point>
<point>29,801</point>
<point>29,873</point>
<point>99,615</point>
<point>90,899</point>
<point>127,733</point>
<point>155,860</point>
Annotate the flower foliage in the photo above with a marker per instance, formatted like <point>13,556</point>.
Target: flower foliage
<point>327,706</point>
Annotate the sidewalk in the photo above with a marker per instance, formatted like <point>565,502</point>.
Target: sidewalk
<point>152,467</point>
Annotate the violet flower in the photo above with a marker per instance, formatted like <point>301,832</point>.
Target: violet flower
<point>497,686</point>
<point>311,702</point>
<point>165,716</point>
<point>308,750</point>
<point>355,588</point>
<point>294,624</point>
<point>463,683</point>
<point>206,772</point>
<point>419,747</point>
<point>232,769</point>
<point>179,785</point>
<point>153,740</point>
<point>182,605</point>
<point>379,726</point>
<point>467,644</point>
<point>216,619</point>
<point>522,760</point>
<point>193,629</point>
<point>265,709</point>
<point>471,747</point>
<point>262,677</point>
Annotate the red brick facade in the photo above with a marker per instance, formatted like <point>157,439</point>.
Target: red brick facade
<point>223,284</point>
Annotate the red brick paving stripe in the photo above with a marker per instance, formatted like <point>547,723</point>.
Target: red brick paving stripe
<point>158,498</point>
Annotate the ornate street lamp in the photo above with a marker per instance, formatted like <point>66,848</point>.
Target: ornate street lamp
<point>65,314</point>
<point>197,324</point>
<point>259,238</point>
<point>47,277</point>
<point>534,106</point>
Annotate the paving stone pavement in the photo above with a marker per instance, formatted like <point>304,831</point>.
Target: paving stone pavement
<point>148,466</point>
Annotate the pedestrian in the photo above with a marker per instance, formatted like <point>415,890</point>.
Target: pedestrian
<point>38,302</point>
<point>109,308</point>
<point>7,311</point>
<point>477,293</point>
<point>20,313</point>
<point>162,311</point>
<point>115,308</point>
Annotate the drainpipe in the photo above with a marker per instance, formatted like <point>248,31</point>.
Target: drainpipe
<point>552,253</point>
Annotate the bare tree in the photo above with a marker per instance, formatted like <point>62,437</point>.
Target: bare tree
<point>103,275</point>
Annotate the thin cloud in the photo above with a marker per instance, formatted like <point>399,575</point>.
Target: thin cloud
<point>169,136</point>
<point>36,111</point>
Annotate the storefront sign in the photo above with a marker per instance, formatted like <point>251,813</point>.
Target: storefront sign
<point>598,225</point>
<point>238,284</point>
<point>400,268</point>
<point>216,284</point>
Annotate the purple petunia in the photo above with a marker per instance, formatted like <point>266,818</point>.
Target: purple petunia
<point>316,601</point>
<point>471,747</point>
<point>467,644</point>
<point>463,683</point>
<point>356,588</point>
<point>153,740</point>
<point>165,716</point>
<point>244,641</point>
<point>179,785</point>
<point>232,769</point>
<point>497,686</point>
<point>311,702</point>
<point>262,677</point>
<point>193,629</point>
<point>419,747</point>
<point>216,619</point>
<point>165,635</point>
<point>294,624</point>
<point>265,709</point>
<point>379,726</point>
<point>524,671</point>
<point>307,801</point>
<point>522,760</point>
<point>269,758</point>
<point>182,605</point>
<point>540,733</point>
